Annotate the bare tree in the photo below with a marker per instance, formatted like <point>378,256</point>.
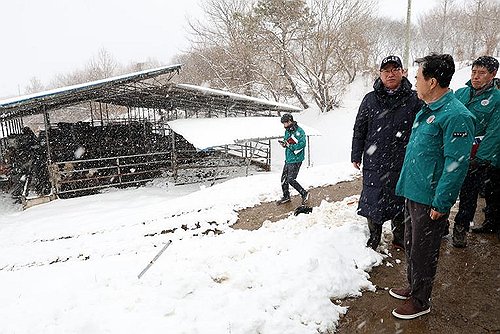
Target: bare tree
<point>283,26</point>
<point>103,65</point>
<point>484,28</point>
<point>34,86</point>
<point>445,4</point>
<point>385,38</point>
<point>335,49</point>
<point>223,49</point>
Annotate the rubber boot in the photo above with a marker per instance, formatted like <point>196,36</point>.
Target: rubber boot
<point>459,238</point>
<point>398,231</point>
<point>375,234</point>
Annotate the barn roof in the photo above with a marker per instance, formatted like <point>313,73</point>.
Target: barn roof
<point>146,89</point>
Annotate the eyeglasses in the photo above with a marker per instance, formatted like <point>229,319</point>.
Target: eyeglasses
<point>393,70</point>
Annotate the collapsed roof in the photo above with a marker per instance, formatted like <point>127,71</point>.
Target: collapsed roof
<point>144,89</point>
<point>205,133</point>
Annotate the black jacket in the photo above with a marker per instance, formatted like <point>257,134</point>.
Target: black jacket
<point>381,133</point>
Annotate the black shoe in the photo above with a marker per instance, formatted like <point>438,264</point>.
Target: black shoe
<point>446,230</point>
<point>459,238</point>
<point>305,197</point>
<point>283,200</point>
<point>375,234</point>
<point>484,228</point>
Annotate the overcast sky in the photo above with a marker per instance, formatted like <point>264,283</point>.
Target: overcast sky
<point>43,38</point>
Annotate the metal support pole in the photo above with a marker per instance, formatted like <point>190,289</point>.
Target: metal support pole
<point>252,150</point>
<point>308,152</point>
<point>406,57</point>
<point>173,155</point>
<point>119,171</point>
<point>154,259</point>
<point>269,154</point>
<point>91,114</point>
<point>100,113</point>
<point>46,122</point>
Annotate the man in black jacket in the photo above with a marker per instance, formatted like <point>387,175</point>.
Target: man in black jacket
<point>381,133</point>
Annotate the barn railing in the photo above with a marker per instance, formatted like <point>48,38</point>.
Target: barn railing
<point>92,174</point>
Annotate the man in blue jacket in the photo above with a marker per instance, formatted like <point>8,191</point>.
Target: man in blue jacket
<point>482,97</point>
<point>294,143</point>
<point>435,165</point>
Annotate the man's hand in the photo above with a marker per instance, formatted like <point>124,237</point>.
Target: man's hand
<point>436,215</point>
<point>283,143</point>
<point>356,164</point>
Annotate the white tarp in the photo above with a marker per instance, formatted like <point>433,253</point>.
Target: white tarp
<point>209,132</point>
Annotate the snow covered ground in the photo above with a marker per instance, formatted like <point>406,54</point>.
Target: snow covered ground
<point>71,266</point>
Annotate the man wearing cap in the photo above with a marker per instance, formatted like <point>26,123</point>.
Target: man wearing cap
<point>482,97</point>
<point>434,168</point>
<point>294,143</point>
<point>381,133</point>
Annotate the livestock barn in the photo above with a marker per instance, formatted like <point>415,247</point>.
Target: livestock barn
<point>125,131</point>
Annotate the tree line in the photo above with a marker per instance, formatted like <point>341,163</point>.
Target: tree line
<point>306,52</point>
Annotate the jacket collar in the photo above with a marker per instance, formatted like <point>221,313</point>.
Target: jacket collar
<point>488,87</point>
<point>379,88</point>
<point>441,101</point>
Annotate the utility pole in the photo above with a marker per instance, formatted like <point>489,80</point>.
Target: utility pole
<point>406,57</point>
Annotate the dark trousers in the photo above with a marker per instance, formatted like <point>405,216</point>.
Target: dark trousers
<point>375,227</point>
<point>398,228</point>
<point>422,241</point>
<point>290,172</point>
<point>468,197</point>
<point>492,197</point>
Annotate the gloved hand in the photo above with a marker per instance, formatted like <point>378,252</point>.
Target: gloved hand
<point>283,143</point>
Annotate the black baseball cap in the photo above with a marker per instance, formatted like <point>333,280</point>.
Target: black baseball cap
<point>286,118</point>
<point>391,59</point>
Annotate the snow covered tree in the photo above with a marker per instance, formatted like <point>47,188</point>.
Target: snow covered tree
<point>34,86</point>
<point>337,48</point>
<point>103,65</point>
<point>223,50</point>
<point>283,27</point>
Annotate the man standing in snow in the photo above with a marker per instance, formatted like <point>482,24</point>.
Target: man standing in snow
<point>294,142</point>
<point>381,133</point>
<point>435,165</point>
<point>482,97</point>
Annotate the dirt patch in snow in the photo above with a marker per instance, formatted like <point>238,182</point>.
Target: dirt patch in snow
<point>466,295</point>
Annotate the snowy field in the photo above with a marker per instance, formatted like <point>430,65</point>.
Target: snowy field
<point>71,266</point>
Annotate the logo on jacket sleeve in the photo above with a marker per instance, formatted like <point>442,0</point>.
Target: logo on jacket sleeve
<point>430,119</point>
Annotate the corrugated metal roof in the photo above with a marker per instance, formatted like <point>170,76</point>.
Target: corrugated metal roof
<point>142,89</point>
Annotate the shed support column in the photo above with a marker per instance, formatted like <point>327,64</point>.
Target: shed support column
<point>249,159</point>
<point>308,151</point>
<point>173,155</point>
<point>91,114</point>
<point>52,177</point>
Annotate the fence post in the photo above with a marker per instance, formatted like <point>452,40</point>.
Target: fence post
<point>119,171</point>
